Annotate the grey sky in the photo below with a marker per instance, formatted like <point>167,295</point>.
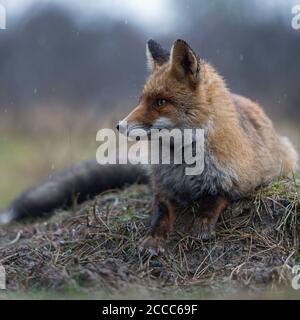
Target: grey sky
<point>157,16</point>
<point>160,15</point>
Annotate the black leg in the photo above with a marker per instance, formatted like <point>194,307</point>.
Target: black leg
<point>162,223</point>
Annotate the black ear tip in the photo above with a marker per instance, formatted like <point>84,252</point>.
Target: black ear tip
<point>152,44</point>
<point>159,54</point>
<point>181,42</point>
<point>150,41</point>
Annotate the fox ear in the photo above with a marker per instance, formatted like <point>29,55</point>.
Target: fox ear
<point>184,62</point>
<point>156,55</point>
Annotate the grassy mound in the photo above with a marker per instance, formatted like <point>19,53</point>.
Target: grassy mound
<point>91,251</point>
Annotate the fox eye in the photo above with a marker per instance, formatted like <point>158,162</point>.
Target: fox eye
<point>160,102</point>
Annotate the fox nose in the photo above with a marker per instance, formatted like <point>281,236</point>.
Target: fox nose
<point>122,127</point>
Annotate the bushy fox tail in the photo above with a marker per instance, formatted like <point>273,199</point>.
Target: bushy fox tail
<point>80,182</point>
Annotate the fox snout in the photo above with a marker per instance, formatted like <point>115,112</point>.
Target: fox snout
<point>122,127</point>
<point>135,123</point>
<point>143,129</point>
<point>132,129</point>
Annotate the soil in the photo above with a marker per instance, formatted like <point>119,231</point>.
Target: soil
<point>91,251</point>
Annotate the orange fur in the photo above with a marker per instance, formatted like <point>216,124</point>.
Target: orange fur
<point>245,151</point>
<point>255,152</point>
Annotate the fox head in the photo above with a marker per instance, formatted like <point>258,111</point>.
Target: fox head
<point>173,94</point>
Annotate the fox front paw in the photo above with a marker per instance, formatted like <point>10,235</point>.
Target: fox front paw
<point>152,245</point>
<point>204,228</point>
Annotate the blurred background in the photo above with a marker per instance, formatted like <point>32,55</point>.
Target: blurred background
<point>70,68</point>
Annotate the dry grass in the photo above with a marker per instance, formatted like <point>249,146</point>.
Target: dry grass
<point>91,251</point>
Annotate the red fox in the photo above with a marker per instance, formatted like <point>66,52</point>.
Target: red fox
<point>242,149</point>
